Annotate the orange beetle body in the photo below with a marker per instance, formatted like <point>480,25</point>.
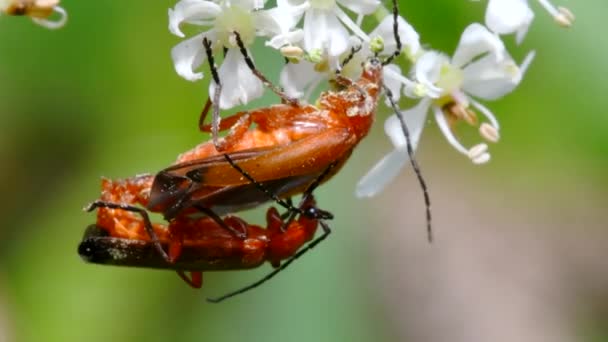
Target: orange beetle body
<point>198,244</point>
<point>289,148</point>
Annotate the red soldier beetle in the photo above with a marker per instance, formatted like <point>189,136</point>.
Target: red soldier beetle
<point>288,148</point>
<point>120,237</point>
<point>292,148</point>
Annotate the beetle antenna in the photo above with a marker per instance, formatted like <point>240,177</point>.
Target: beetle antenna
<point>395,34</point>
<point>286,98</point>
<point>351,55</point>
<point>215,119</point>
<point>410,153</point>
<point>326,232</point>
<point>312,213</point>
<point>306,197</point>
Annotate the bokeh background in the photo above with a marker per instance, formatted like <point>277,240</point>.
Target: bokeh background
<point>521,250</point>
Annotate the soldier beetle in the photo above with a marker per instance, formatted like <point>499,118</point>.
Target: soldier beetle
<point>290,146</point>
<point>292,149</point>
<point>120,237</point>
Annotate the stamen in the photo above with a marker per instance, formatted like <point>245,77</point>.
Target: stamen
<point>459,111</point>
<point>562,16</point>
<point>53,24</point>
<point>489,132</point>
<point>314,56</point>
<point>487,113</point>
<point>291,51</point>
<point>419,90</point>
<point>482,159</point>
<point>447,132</point>
<point>477,151</point>
<point>565,18</point>
<point>232,40</point>
<point>376,44</point>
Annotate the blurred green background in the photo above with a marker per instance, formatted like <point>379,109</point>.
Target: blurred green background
<point>100,98</point>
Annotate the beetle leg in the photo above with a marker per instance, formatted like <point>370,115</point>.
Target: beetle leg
<point>215,119</point>
<point>237,131</point>
<point>326,232</point>
<point>307,198</point>
<point>240,234</point>
<point>195,280</point>
<point>204,112</point>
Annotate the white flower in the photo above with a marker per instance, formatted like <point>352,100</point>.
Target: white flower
<point>299,80</point>
<point>410,41</point>
<point>221,19</point>
<point>39,10</point>
<point>389,167</point>
<point>325,22</point>
<point>515,16</point>
<point>480,67</point>
<point>280,23</point>
<point>239,84</point>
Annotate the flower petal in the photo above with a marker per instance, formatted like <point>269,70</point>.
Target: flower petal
<point>190,11</point>
<point>189,55</point>
<point>408,36</point>
<point>391,164</point>
<point>360,6</point>
<point>322,30</point>
<point>509,16</point>
<point>390,75</point>
<point>415,119</point>
<point>475,41</point>
<point>428,68</point>
<point>382,173</point>
<point>297,77</point>
<point>239,84</point>
<point>489,80</point>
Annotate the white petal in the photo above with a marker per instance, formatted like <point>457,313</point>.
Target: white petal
<point>291,38</point>
<point>239,84</point>
<point>391,164</point>
<point>392,82</point>
<point>509,16</point>
<point>447,131</point>
<point>190,11</point>
<point>295,7</point>
<point>382,173</point>
<point>475,41</point>
<point>415,119</point>
<point>360,6</point>
<point>489,80</point>
<point>248,5</point>
<point>189,55</point>
<point>278,20</point>
<point>408,36</point>
<point>427,69</point>
<point>350,24</point>
<point>487,113</point>
<point>296,78</point>
<point>314,30</point>
<point>322,30</point>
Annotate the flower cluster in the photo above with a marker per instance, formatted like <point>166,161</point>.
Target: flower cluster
<point>317,36</point>
<point>39,10</point>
